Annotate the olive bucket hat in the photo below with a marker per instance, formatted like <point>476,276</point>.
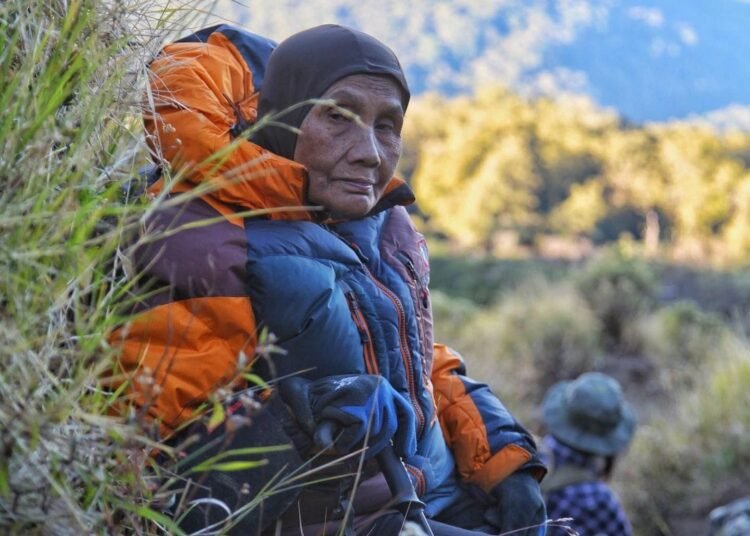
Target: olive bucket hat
<point>589,414</point>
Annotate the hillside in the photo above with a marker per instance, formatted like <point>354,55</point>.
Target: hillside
<point>74,460</point>
<point>675,338</point>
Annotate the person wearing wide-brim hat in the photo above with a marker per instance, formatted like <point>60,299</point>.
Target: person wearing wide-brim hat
<point>732,519</point>
<point>588,424</point>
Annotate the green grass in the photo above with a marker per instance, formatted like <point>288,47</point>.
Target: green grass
<point>484,280</point>
<point>71,137</point>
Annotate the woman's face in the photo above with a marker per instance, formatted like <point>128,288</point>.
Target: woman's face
<point>349,163</point>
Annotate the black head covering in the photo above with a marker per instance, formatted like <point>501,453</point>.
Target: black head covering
<point>306,64</point>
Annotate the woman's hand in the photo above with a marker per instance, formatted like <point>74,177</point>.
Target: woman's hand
<point>351,411</point>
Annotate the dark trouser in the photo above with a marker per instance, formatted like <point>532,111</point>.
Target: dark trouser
<point>319,509</point>
<point>386,523</point>
<point>220,478</point>
<point>391,526</point>
<point>310,506</point>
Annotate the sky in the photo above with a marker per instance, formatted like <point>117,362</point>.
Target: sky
<point>650,60</point>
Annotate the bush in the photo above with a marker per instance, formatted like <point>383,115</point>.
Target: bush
<point>726,293</point>
<point>618,288</point>
<point>549,328</point>
<point>536,336</point>
<point>485,280</point>
<point>697,455</point>
<point>681,340</point>
<point>450,316</point>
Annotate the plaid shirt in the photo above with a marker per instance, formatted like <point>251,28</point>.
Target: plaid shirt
<point>592,505</point>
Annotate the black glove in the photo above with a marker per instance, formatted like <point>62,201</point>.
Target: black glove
<point>350,408</point>
<point>518,503</point>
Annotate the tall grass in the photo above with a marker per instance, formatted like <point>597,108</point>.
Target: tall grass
<point>70,137</point>
<point>537,335</point>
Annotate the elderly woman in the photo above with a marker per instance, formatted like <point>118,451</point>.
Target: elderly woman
<point>301,232</point>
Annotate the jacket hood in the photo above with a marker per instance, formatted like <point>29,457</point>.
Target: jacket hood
<point>202,103</point>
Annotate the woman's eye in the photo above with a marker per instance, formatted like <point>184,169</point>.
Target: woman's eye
<point>386,127</point>
<point>337,116</point>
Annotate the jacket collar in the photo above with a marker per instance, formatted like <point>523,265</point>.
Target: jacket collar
<point>276,188</point>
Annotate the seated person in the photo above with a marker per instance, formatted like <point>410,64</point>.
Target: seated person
<point>731,519</point>
<point>302,232</point>
<point>588,425</point>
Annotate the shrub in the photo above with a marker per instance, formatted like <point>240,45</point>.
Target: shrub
<point>681,340</point>
<point>726,293</point>
<point>485,280</point>
<point>697,454</point>
<point>450,316</point>
<point>536,336</point>
<point>618,288</point>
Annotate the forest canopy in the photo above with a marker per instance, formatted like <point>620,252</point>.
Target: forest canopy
<point>497,164</point>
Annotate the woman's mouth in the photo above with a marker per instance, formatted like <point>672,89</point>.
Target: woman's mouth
<point>359,186</point>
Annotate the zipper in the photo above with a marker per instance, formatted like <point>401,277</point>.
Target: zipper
<point>421,484</point>
<point>421,294</point>
<point>422,297</point>
<point>371,362</point>
<point>405,354</point>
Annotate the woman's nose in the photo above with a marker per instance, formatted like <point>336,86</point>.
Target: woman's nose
<point>364,149</point>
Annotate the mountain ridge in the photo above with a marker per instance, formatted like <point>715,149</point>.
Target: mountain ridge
<point>649,60</point>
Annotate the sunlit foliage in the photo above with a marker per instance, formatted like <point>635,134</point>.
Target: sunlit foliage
<point>497,162</point>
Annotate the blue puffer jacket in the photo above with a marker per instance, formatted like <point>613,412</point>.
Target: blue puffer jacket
<point>360,306</point>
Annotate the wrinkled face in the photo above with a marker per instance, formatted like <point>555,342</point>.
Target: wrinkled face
<point>348,162</point>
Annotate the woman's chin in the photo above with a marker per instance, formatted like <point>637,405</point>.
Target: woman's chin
<point>352,207</point>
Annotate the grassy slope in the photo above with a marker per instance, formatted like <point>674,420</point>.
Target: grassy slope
<point>71,137</point>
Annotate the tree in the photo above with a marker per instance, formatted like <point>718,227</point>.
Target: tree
<point>498,162</point>
<point>476,173</point>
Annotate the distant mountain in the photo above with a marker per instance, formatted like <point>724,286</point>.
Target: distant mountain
<point>663,59</point>
<point>650,60</point>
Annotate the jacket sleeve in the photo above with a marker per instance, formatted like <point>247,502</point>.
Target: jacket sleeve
<point>172,357</point>
<point>192,317</point>
<point>487,442</point>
